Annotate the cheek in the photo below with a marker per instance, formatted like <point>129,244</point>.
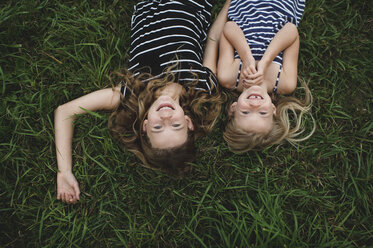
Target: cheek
<point>151,116</point>
<point>144,125</point>
<point>241,123</point>
<point>179,114</point>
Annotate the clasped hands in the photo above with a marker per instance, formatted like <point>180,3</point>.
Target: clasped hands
<point>252,73</point>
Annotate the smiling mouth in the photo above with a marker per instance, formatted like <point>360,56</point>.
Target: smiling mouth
<point>255,96</point>
<point>165,106</point>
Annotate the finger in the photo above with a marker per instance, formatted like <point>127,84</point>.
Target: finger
<point>58,196</point>
<point>77,191</point>
<point>258,80</point>
<point>246,84</point>
<point>245,72</point>
<point>66,198</point>
<point>248,70</point>
<point>250,82</point>
<point>255,75</point>
<point>252,69</point>
<point>63,198</point>
<point>70,198</point>
<point>73,200</point>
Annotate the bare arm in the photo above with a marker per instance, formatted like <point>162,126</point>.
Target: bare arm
<point>106,99</point>
<point>234,38</point>
<point>237,39</point>
<point>289,74</point>
<point>282,40</point>
<point>287,40</point>
<point>227,65</point>
<point>210,55</point>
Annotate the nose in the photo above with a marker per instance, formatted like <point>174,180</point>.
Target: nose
<point>255,103</point>
<point>165,114</point>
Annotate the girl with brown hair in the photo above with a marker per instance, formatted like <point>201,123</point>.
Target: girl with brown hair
<point>258,57</point>
<point>166,98</point>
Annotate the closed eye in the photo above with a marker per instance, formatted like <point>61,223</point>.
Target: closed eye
<point>245,112</point>
<point>157,127</point>
<point>263,113</point>
<point>176,125</point>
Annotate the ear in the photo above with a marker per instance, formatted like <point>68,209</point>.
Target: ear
<point>189,123</point>
<point>274,109</point>
<point>232,109</point>
<point>145,123</point>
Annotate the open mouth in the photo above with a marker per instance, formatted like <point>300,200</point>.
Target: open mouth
<point>165,106</point>
<point>255,96</point>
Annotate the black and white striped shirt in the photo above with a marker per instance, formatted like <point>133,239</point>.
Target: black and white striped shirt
<point>165,33</point>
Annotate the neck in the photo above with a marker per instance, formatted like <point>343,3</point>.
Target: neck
<point>172,90</point>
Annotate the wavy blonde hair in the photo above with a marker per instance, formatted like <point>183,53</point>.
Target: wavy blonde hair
<point>126,122</point>
<point>289,110</point>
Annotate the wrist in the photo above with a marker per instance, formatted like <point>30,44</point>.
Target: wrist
<point>265,61</point>
<point>212,38</point>
<point>248,59</point>
<point>64,172</point>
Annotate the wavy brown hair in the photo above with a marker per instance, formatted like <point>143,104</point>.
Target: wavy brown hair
<point>126,122</point>
<point>289,110</point>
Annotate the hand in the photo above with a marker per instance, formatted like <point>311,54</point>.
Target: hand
<point>250,74</point>
<point>257,78</point>
<point>248,67</point>
<point>67,187</point>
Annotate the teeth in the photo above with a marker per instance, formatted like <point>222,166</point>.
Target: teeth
<point>165,108</point>
<point>255,97</point>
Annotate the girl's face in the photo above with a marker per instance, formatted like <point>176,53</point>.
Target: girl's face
<point>253,112</point>
<point>166,125</point>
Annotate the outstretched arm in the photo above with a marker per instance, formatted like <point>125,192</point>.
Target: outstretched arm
<point>107,99</point>
<point>210,55</point>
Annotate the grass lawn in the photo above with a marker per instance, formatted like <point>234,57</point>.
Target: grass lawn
<point>317,194</point>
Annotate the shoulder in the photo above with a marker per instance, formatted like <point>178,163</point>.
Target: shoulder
<point>208,81</point>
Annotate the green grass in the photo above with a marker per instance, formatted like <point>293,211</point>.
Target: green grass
<point>317,194</point>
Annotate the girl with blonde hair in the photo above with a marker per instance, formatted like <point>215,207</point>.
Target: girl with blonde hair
<point>165,100</point>
<point>258,57</point>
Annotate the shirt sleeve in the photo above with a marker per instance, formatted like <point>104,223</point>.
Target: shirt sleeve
<point>124,90</point>
<point>208,81</point>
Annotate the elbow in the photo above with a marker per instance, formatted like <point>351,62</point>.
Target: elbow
<point>225,77</point>
<point>228,85</point>
<point>226,82</point>
<point>292,30</point>
<point>59,110</point>
<point>289,87</point>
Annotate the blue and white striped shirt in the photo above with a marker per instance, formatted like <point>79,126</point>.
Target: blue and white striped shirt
<point>260,20</point>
